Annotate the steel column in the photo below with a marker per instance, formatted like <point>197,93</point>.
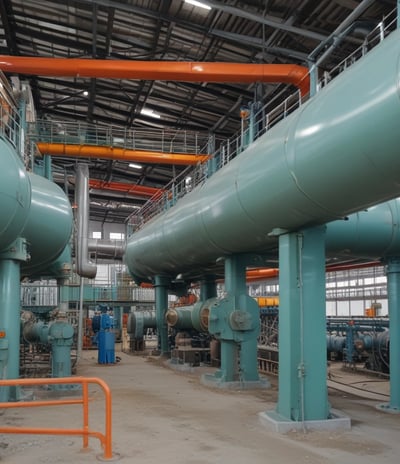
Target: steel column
<point>302,334</point>
<point>161,284</point>
<point>393,289</point>
<point>208,288</point>
<point>10,311</point>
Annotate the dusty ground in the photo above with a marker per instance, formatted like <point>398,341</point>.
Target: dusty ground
<point>160,415</point>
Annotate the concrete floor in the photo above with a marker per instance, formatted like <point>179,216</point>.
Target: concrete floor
<point>160,415</point>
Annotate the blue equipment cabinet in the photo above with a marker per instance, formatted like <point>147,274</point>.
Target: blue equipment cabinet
<point>106,340</point>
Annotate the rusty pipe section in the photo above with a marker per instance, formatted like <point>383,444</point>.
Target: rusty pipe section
<point>84,267</point>
<point>119,154</point>
<point>188,71</point>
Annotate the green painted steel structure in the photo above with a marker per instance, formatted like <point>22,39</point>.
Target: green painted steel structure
<point>48,227</point>
<point>371,233</point>
<point>161,284</point>
<point>35,227</point>
<point>336,154</point>
<point>393,284</point>
<point>15,195</point>
<point>303,394</point>
<point>10,310</point>
<point>235,321</point>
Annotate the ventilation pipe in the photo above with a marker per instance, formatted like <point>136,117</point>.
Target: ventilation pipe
<point>84,267</point>
<point>159,70</point>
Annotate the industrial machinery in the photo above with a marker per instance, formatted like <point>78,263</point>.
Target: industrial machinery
<point>277,195</point>
<point>103,327</point>
<point>47,339</point>
<point>360,340</point>
<point>35,229</point>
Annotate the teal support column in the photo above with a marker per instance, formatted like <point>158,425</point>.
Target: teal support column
<point>47,167</point>
<point>302,333</point>
<point>10,312</point>
<point>393,289</point>
<point>161,284</point>
<point>208,288</point>
<point>235,321</point>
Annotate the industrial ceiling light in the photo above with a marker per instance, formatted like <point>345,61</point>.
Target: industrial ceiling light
<point>135,166</point>
<point>199,4</point>
<point>150,113</point>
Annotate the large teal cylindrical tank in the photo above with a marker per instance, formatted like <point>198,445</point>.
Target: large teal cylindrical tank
<point>48,226</point>
<point>371,233</point>
<point>337,154</point>
<point>15,195</point>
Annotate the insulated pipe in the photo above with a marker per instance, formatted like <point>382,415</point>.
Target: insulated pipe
<point>159,70</point>
<point>134,189</point>
<point>119,154</point>
<point>84,267</point>
<point>338,138</point>
<point>112,249</point>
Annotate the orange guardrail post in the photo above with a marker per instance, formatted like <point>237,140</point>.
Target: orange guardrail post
<point>105,438</point>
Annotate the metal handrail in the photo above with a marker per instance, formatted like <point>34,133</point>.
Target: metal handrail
<point>10,126</point>
<point>105,438</point>
<point>191,177</point>
<point>79,133</point>
<point>263,120</point>
<point>374,38</point>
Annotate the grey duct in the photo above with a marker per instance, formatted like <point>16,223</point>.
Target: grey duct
<point>83,266</point>
<point>111,249</point>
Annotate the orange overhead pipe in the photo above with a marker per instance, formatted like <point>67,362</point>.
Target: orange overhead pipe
<point>135,189</point>
<point>121,154</point>
<point>261,273</point>
<point>185,71</point>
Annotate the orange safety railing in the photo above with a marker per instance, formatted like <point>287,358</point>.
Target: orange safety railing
<point>105,439</point>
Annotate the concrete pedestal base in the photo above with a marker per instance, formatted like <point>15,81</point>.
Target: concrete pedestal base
<point>211,380</point>
<point>280,424</point>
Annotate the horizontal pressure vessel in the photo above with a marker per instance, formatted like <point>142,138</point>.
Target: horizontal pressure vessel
<point>372,233</point>
<point>15,195</point>
<point>337,154</point>
<point>48,227</point>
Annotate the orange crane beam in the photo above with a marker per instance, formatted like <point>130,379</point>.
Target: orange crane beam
<point>120,154</point>
<point>159,70</point>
